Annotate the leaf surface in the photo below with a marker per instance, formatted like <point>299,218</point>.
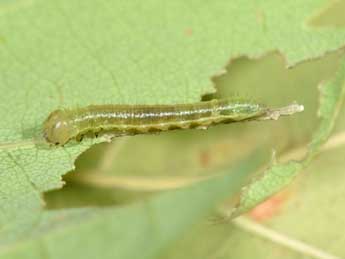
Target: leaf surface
<point>70,53</point>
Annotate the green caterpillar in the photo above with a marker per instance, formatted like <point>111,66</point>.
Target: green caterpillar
<point>65,124</point>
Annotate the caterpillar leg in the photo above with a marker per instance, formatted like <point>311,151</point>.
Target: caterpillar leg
<point>97,133</point>
<point>79,138</point>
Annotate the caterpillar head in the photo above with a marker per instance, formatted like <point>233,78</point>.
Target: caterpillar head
<point>58,128</point>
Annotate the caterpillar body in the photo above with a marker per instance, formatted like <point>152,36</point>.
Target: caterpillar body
<point>65,124</point>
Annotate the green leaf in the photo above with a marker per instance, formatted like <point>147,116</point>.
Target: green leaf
<point>332,99</point>
<point>280,175</point>
<point>141,230</point>
<point>69,53</point>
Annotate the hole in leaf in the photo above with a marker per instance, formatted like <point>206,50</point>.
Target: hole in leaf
<point>131,168</point>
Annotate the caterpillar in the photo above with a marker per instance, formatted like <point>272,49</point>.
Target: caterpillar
<point>63,125</point>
